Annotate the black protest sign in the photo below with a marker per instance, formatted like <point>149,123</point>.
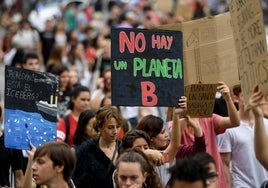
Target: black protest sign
<point>147,67</point>
<point>30,107</point>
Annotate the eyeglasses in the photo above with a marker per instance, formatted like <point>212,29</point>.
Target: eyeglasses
<point>212,176</point>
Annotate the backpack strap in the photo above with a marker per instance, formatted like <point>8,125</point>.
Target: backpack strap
<point>67,127</point>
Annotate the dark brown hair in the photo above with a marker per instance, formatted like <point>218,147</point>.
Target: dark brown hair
<point>130,137</point>
<point>60,154</point>
<point>137,156</point>
<point>151,124</point>
<point>80,134</point>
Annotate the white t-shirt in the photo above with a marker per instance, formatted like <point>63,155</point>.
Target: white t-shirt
<point>163,173</point>
<point>245,170</point>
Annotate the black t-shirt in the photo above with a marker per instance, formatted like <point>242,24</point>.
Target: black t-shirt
<point>8,158</point>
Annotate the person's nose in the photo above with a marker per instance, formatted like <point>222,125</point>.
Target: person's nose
<point>142,149</point>
<point>33,166</point>
<point>116,130</point>
<point>128,182</point>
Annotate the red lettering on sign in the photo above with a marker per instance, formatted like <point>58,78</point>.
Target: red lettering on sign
<point>147,92</point>
<point>132,42</point>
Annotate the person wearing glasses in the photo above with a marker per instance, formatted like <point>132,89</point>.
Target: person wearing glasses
<point>208,161</point>
<point>197,171</point>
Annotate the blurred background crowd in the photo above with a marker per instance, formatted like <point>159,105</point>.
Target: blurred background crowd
<point>50,26</point>
<point>71,38</point>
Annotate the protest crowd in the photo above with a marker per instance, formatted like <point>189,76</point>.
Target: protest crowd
<point>99,145</point>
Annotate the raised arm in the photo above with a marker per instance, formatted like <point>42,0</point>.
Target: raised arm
<point>175,137</point>
<point>260,136</point>
<point>233,119</point>
<point>226,158</point>
<point>28,173</point>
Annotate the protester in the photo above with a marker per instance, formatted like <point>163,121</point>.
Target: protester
<point>194,172</point>
<point>85,127</point>
<point>154,127</point>
<point>11,158</point>
<point>96,15</point>
<point>47,39</point>
<point>73,79</point>
<point>208,161</point>
<point>138,139</point>
<point>104,89</point>
<point>27,37</point>
<point>55,57</point>
<point>133,168</point>
<point>199,144</point>
<point>64,93</point>
<point>96,157</point>
<point>77,61</point>
<point>260,136</point>
<point>236,146</point>
<point>67,125</point>
<point>51,164</point>
<point>188,173</point>
<point>31,61</point>
<point>212,127</point>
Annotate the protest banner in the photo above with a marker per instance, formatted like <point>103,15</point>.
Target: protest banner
<point>30,108</point>
<point>209,53</point>
<point>147,67</point>
<point>200,99</point>
<point>251,47</point>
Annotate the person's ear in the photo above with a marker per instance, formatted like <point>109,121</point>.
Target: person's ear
<point>59,168</point>
<point>145,174</point>
<point>116,177</point>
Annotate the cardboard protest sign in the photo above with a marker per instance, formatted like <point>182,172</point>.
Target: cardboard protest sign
<point>200,99</point>
<point>147,67</point>
<point>209,53</point>
<point>251,47</point>
<point>30,107</point>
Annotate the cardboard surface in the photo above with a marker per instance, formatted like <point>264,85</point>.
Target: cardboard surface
<point>163,5</point>
<point>251,47</point>
<point>209,53</point>
<point>200,99</point>
<point>185,11</point>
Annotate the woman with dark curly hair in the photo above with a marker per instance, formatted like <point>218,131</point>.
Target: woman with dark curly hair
<point>85,129</point>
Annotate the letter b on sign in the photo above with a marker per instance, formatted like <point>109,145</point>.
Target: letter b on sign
<point>147,94</point>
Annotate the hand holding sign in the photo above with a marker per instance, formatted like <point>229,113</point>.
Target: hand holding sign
<point>182,106</point>
<point>224,90</point>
